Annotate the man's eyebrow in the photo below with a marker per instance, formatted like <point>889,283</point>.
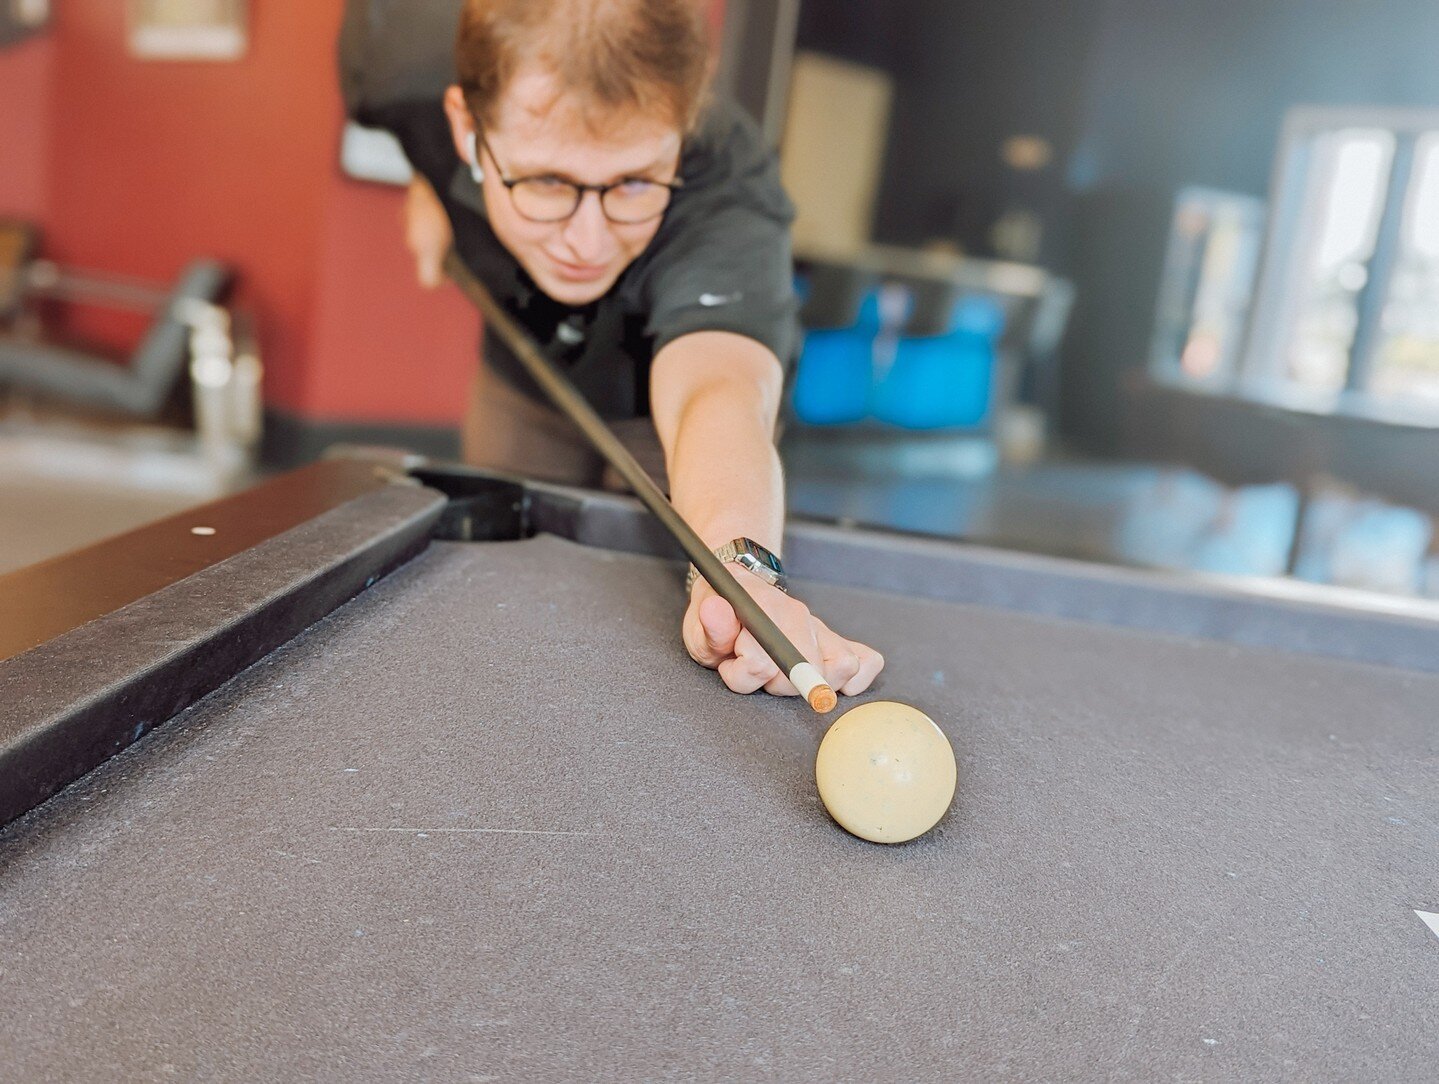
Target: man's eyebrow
<point>522,171</point>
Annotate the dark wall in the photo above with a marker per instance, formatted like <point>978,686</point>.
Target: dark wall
<point>968,74</point>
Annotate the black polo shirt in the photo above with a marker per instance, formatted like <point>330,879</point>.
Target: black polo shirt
<point>720,260</point>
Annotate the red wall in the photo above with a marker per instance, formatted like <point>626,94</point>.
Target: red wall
<point>138,166</point>
<point>25,71</point>
<point>380,347</point>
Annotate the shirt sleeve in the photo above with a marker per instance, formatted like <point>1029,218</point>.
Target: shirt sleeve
<point>395,51</point>
<point>395,59</point>
<point>726,268</point>
<point>424,134</point>
<point>721,261</point>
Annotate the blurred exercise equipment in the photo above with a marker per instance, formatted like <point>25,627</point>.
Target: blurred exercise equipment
<point>195,354</point>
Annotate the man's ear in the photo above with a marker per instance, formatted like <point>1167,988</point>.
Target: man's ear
<point>462,124</point>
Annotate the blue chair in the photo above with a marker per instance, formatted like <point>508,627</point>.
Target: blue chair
<point>944,381</point>
<point>836,370</point>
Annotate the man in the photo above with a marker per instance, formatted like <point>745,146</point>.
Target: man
<point>641,235</point>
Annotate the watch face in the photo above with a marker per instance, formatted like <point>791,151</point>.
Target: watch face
<point>755,557</point>
<point>771,562</point>
<point>767,570</point>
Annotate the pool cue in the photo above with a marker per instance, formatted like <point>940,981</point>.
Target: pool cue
<point>805,676</point>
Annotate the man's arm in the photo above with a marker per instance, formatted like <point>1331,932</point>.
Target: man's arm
<point>427,232</point>
<point>715,398</point>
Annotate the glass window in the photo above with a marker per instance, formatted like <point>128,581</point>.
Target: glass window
<point>1347,181</point>
<point>1406,359</point>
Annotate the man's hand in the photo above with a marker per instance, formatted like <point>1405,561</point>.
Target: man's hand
<point>715,639</point>
<point>427,232</point>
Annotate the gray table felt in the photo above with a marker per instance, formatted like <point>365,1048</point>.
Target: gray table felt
<point>487,822</point>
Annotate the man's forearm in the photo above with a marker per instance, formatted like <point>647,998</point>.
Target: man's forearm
<point>725,476</point>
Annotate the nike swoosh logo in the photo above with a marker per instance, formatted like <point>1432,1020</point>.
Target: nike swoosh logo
<point>709,301</point>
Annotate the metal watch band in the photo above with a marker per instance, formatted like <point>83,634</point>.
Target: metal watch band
<point>750,556</point>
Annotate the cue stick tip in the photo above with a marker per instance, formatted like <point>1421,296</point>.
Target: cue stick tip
<point>823,699</point>
<point>812,686</point>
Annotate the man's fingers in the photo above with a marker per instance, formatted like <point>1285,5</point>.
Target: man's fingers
<point>779,685</point>
<point>841,660</point>
<point>751,668</point>
<point>871,662</point>
<point>715,638</point>
<point>739,677</point>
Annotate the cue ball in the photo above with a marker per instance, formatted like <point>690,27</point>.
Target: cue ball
<point>886,773</point>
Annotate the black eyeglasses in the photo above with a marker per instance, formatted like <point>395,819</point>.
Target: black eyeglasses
<point>554,199</point>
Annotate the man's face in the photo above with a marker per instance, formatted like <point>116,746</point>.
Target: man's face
<point>539,133</point>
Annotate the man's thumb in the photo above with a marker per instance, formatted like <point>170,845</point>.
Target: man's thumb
<point>721,626</point>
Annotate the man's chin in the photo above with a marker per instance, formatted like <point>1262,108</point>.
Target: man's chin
<point>575,294</point>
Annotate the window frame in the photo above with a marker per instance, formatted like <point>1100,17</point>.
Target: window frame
<point>1260,375</point>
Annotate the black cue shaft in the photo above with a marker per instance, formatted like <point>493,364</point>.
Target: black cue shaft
<point>558,387</point>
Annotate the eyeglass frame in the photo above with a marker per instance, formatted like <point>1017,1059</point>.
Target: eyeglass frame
<point>601,190</point>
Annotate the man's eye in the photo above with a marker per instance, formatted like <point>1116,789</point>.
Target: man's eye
<point>549,183</point>
<point>634,186</point>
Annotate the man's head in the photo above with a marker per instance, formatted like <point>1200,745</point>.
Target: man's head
<point>593,92</point>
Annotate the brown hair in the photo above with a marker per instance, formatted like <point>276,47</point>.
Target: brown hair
<point>646,56</point>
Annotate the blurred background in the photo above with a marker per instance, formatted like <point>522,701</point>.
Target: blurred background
<point>1147,282</point>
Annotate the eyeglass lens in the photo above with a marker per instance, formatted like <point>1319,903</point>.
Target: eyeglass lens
<point>546,199</point>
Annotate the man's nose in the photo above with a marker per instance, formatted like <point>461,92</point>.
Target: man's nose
<point>586,229</point>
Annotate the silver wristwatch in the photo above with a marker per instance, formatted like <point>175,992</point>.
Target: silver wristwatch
<point>752,557</point>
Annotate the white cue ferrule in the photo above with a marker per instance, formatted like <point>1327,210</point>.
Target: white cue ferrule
<point>805,677</point>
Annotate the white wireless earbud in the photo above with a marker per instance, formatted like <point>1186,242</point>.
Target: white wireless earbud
<point>472,145</point>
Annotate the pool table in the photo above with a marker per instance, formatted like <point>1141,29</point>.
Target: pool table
<point>399,771</point>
